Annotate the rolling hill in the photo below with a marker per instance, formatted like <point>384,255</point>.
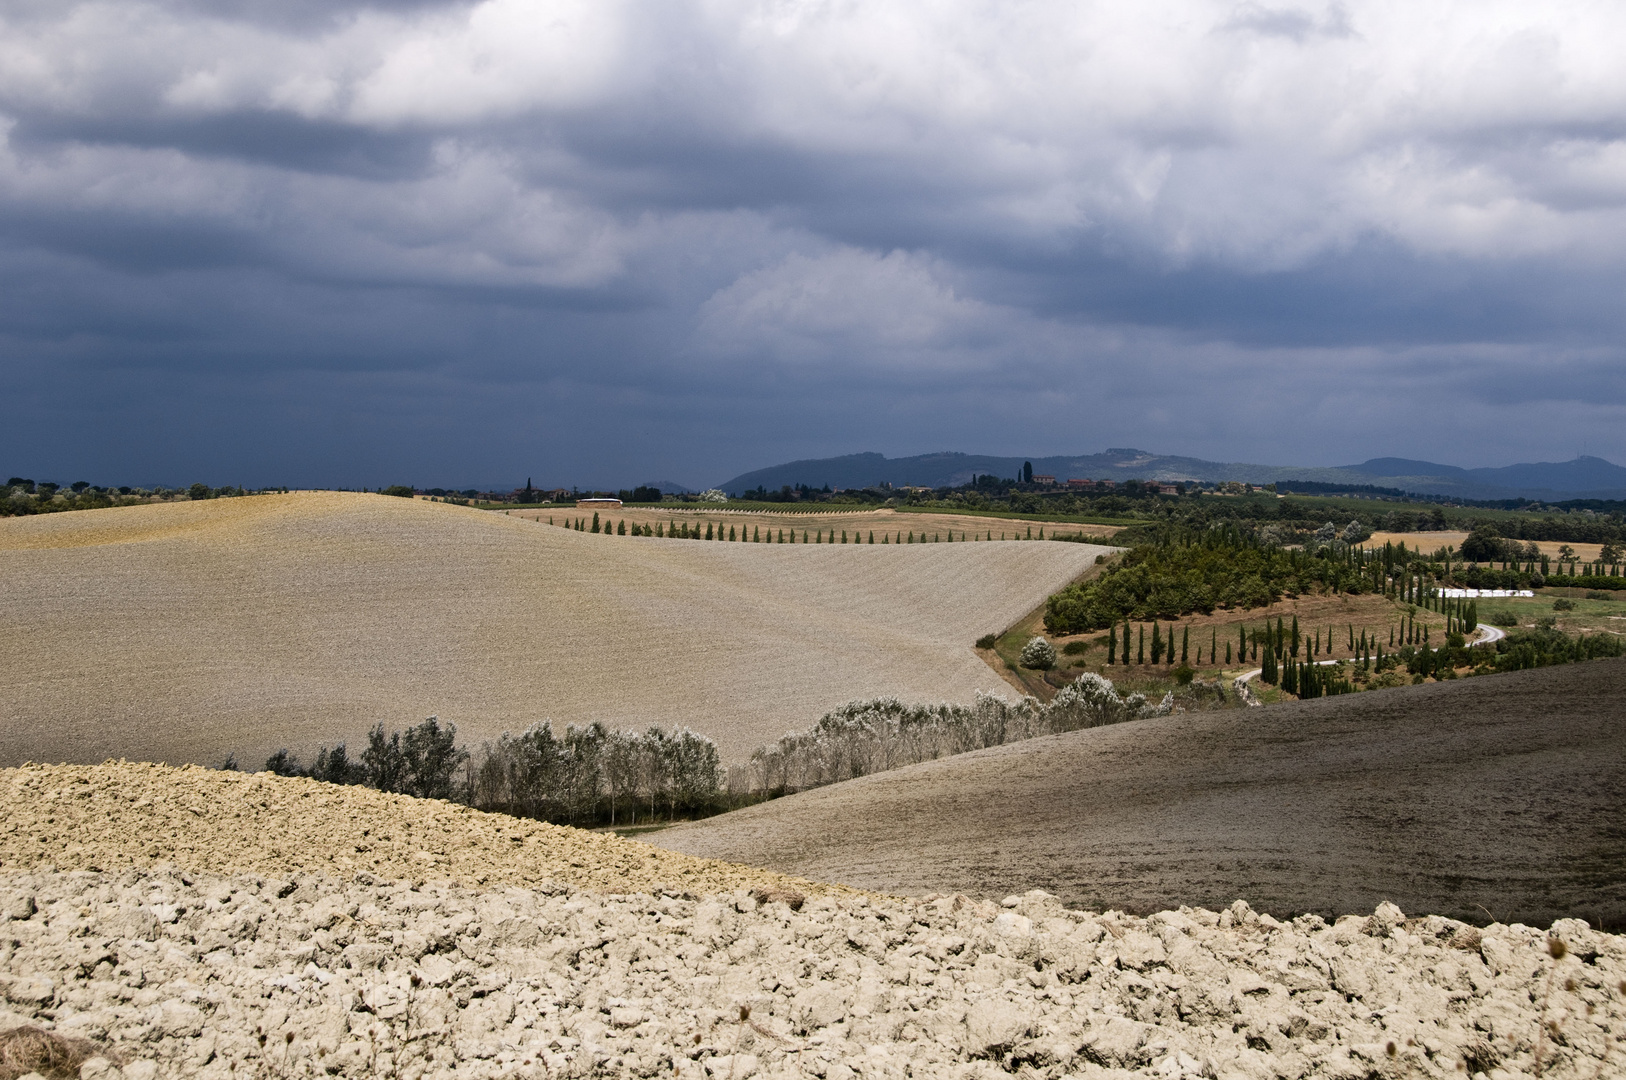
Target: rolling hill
<point>1584,477</point>
<point>181,632</point>
<point>1498,797</point>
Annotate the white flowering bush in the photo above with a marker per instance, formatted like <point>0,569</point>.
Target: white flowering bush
<point>863,737</point>
<point>713,495</point>
<point>1038,654</point>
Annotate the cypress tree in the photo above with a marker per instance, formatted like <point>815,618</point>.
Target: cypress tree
<point>595,521</point>
<point>1140,649</point>
<point>1268,670</point>
<point>621,529</point>
<point>1185,640</point>
<point>756,535</point>
<point>1295,641</point>
<point>1227,652</point>
<point>843,535</point>
<point>804,535</point>
<point>731,532</point>
<point>872,536</point>
<point>1157,644</point>
<point>1213,643</point>
<point>708,530</point>
<point>1112,644</point>
<point>1241,644</point>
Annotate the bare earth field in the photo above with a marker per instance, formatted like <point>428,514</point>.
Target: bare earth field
<point>1430,542</point>
<point>183,632</point>
<point>160,922</point>
<point>1494,797</point>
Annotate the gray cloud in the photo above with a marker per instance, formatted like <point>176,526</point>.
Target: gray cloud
<point>333,243</point>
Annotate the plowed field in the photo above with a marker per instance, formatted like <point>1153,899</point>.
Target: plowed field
<point>183,632</point>
<point>1494,797</point>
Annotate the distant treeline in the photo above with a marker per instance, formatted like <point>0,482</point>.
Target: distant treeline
<point>1150,510</point>
<point>20,496</point>
<point>1178,571</point>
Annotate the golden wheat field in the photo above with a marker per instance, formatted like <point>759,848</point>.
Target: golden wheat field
<point>183,632</point>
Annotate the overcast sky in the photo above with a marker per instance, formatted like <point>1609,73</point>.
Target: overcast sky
<point>609,241</point>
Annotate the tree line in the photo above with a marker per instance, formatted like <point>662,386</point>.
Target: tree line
<point>756,534</point>
<point>20,497</point>
<point>584,776</point>
<point>591,775</point>
<point>864,737</point>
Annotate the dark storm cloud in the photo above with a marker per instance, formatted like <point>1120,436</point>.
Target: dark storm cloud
<point>596,241</point>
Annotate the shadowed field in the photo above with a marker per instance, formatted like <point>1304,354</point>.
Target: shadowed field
<point>1499,796</point>
<point>180,632</point>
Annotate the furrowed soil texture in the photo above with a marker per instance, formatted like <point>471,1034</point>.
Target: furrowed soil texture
<point>175,964</point>
<point>183,632</point>
<point>1499,796</point>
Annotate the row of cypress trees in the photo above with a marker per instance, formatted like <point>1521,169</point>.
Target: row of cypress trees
<point>684,531</point>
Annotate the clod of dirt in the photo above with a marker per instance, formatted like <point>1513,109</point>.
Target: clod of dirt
<point>215,976</point>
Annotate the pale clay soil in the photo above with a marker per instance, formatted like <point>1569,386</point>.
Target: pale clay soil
<point>192,923</point>
<point>184,632</point>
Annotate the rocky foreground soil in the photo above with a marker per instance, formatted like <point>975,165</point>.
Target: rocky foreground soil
<point>215,976</point>
<point>178,969</point>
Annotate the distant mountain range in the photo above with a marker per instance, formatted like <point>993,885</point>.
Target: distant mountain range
<point>1583,478</point>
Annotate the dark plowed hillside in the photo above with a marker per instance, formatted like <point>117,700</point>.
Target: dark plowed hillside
<point>1498,797</point>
